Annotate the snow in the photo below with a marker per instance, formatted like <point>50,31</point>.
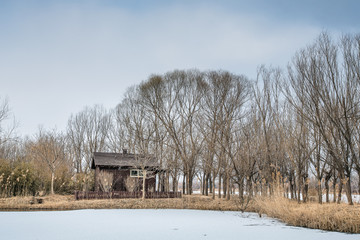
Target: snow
<point>355,198</point>
<point>152,224</point>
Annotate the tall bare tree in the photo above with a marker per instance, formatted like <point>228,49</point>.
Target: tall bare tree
<point>49,147</point>
<point>175,100</point>
<point>325,90</point>
<point>87,133</point>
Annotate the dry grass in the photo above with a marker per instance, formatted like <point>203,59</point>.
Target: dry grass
<point>59,202</point>
<point>327,216</point>
<point>332,217</point>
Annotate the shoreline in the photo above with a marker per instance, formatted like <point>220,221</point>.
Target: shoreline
<point>327,216</point>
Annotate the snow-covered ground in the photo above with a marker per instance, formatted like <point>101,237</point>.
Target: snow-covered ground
<point>355,197</point>
<point>152,224</point>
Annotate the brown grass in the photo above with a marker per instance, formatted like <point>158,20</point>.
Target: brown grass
<point>327,216</point>
<point>60,202</point>
<point>332,217</point>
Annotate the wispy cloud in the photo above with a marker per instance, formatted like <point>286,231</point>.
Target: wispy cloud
<point>57,59</point>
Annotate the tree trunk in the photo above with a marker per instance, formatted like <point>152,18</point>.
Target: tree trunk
<point>203,184</point>
<point>163,182</point>
<point>250,187</point>
<point>306,190</point>
<point>184,183</point>
<point>159,182</point>
<point>167,181</point>
<point>52,182</point>
<point>358,182</point>
<point>241,191</point>
<point>299,188</point>
<point>339,193</point>
<point>228,187</point>
<point>224,185</point>
<point>219,187</point>
<point>143,184</point>
<point>334,191</point>
<point>319,191</point>
<point>327,188</point>
<point>189,183</point>
<point>334,185</point>
<point>213,186</point>
<point>207,185</point>
<point>291,186</point>
<point>175,184</point>
<point>358,172</point>
<point>348,191</point>
<point>256,189</point>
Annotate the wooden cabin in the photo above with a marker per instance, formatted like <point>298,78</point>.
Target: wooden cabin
<point>124,172</point>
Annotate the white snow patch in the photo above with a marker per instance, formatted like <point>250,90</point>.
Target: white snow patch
<point>355,198</point>
<point>152,224</point>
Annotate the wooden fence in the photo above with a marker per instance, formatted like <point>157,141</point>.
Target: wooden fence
<point>79,195</point>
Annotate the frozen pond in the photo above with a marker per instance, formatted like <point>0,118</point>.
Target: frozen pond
<point>151,224</point>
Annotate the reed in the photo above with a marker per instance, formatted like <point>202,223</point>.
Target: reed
<point>327,216</point>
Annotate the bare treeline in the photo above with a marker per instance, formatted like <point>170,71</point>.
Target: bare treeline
<point>290,129</point>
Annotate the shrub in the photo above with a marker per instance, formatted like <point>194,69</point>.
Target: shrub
<point>19,178</point>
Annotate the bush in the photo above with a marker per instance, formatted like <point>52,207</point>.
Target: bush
<point>83,182</point>
<point>63,183</point>
<point>5,172</point>
<point>19,179</point>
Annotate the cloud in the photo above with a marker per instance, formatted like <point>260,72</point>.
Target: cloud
<point>57,59</point>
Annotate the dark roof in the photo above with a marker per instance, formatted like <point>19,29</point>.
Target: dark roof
<point>122,160</point>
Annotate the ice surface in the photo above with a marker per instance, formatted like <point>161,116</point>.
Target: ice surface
<point>152,224</point>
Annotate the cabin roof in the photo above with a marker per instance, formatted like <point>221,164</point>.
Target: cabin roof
<point>117,160</point>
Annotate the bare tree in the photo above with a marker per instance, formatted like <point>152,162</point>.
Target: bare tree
<point>6,134</point>
<point>117,130</point>
<point>97,126</point>
<point>175,100</point>
<point>264,99</point>
<point>235,91</point>
<point>4,110</point>
<point>87,133</point>
<point>220,111</point>
<point>140,135</point>
<point>76,138</point>
<point>325,90</point>
<point>49,147</point>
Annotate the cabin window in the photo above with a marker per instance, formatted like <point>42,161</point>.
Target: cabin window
<point>136,173</point>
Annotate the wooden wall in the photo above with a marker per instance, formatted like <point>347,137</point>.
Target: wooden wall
<point>119,178</point>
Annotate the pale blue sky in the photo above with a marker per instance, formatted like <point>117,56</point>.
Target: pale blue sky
<point>56,57</point>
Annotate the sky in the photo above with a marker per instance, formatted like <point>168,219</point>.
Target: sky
<point>58,56</point>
